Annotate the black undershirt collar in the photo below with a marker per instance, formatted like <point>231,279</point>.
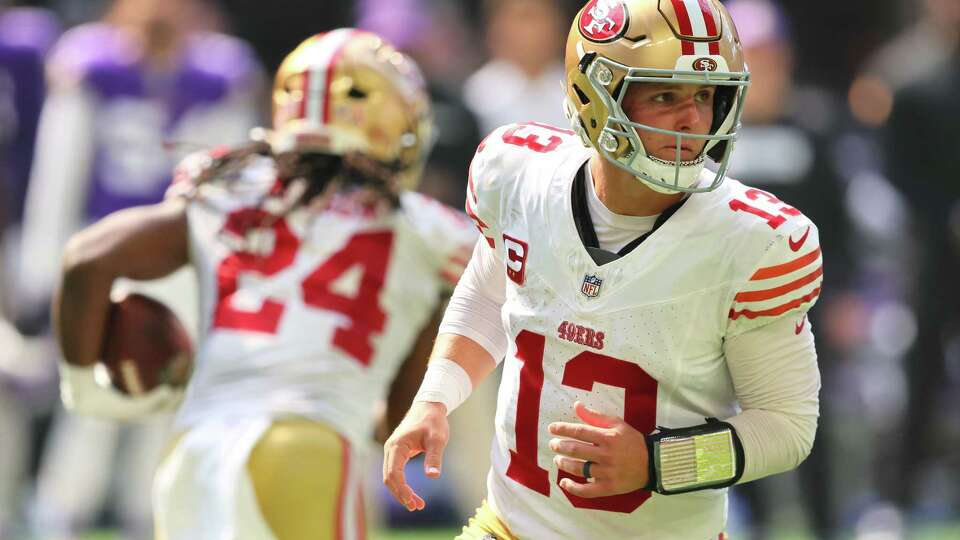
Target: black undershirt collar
<point>584,223</point>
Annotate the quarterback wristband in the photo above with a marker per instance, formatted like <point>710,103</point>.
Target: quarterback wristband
<point>445,382</point>
<point>708,456</point>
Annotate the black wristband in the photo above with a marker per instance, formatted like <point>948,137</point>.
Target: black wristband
<point>707,456</point>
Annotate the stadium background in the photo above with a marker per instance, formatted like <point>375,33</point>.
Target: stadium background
<point>854,120</point>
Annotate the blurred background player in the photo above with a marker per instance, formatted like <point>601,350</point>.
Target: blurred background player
<point>126,95</point>
<point>521,81</point>
<point>786,147</point>
<point>922,162</point>
<point>321,277</point>
<point>26,35</point>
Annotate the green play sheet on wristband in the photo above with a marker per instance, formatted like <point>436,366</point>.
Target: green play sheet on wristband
<point>715,457</point>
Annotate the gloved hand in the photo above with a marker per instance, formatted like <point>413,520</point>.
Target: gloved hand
<point>87,390</point>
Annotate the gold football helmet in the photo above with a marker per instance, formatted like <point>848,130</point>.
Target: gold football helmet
<point>348,92</point>
<point>615,43</point>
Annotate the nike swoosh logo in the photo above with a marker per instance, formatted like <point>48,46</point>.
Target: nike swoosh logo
<point>795,246</point>
<point>801,324</point>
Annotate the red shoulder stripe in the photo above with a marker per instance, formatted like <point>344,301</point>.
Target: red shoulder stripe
<point>767,294</point>
<point>786,268</point>
<point>778,310</point>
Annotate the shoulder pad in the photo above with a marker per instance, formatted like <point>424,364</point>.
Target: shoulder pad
<point>508,148</point>
<point>499,161</point>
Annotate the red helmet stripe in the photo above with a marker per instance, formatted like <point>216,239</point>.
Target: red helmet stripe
<point>337,53</point>
<point>316,83</point>
<point>697,19</point>
<point>711,24</point>
<point>683,19</point>
<point>708,19</point>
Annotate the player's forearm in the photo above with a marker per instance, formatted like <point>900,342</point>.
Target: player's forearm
<point>80,308</point>
<point>774,370</point>
<point>773,442</point>
<point>407,381</point>
<point>458,364</point>
<point>467,353</point>
<point>139,243</point>
<point>472,339</point>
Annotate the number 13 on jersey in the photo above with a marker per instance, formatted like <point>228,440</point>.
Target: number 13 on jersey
<point>583,372</point>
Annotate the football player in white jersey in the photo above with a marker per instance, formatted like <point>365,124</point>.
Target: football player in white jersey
<point>652,316</point>
<point>320,271</point>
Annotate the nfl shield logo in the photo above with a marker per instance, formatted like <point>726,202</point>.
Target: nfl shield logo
<point>591,286</point>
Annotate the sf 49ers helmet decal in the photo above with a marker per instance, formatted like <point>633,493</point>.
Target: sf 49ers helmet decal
<point>603,20</point>
<point>614,44</point>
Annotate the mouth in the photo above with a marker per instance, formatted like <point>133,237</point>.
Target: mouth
<point>686,152</point>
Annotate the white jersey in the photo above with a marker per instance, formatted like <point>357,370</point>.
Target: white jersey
<point>640,337</point>
<point>310,314</point>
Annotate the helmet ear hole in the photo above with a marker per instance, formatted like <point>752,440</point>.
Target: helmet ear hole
<point>356,93</point>
<point>722,103</point>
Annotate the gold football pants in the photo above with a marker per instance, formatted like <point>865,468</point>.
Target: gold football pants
<point>299,470</point>
<point>305,481</point>
<point>485,524</point>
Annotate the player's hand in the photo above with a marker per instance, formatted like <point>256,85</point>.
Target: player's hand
<point>82,392</point>
<point>618,453</point>
<point>423,430</point>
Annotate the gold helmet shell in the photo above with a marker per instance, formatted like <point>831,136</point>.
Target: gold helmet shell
<point>349,92</point>
<point>615,43</point>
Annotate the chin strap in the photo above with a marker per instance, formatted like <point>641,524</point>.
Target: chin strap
<point>708,456</point>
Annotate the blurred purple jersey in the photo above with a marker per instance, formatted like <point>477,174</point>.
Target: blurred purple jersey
<point>206,98</point>
<point>26,35</point>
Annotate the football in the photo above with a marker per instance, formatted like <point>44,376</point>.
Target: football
<point>145,346</point>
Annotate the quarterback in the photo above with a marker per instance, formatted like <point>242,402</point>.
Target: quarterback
<point>651,314</point>
<point>320,271</point>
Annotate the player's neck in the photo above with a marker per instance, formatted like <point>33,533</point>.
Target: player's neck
<point>623,194</point>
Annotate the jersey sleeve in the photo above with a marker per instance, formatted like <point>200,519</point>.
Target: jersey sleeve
<point>785,282</point>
